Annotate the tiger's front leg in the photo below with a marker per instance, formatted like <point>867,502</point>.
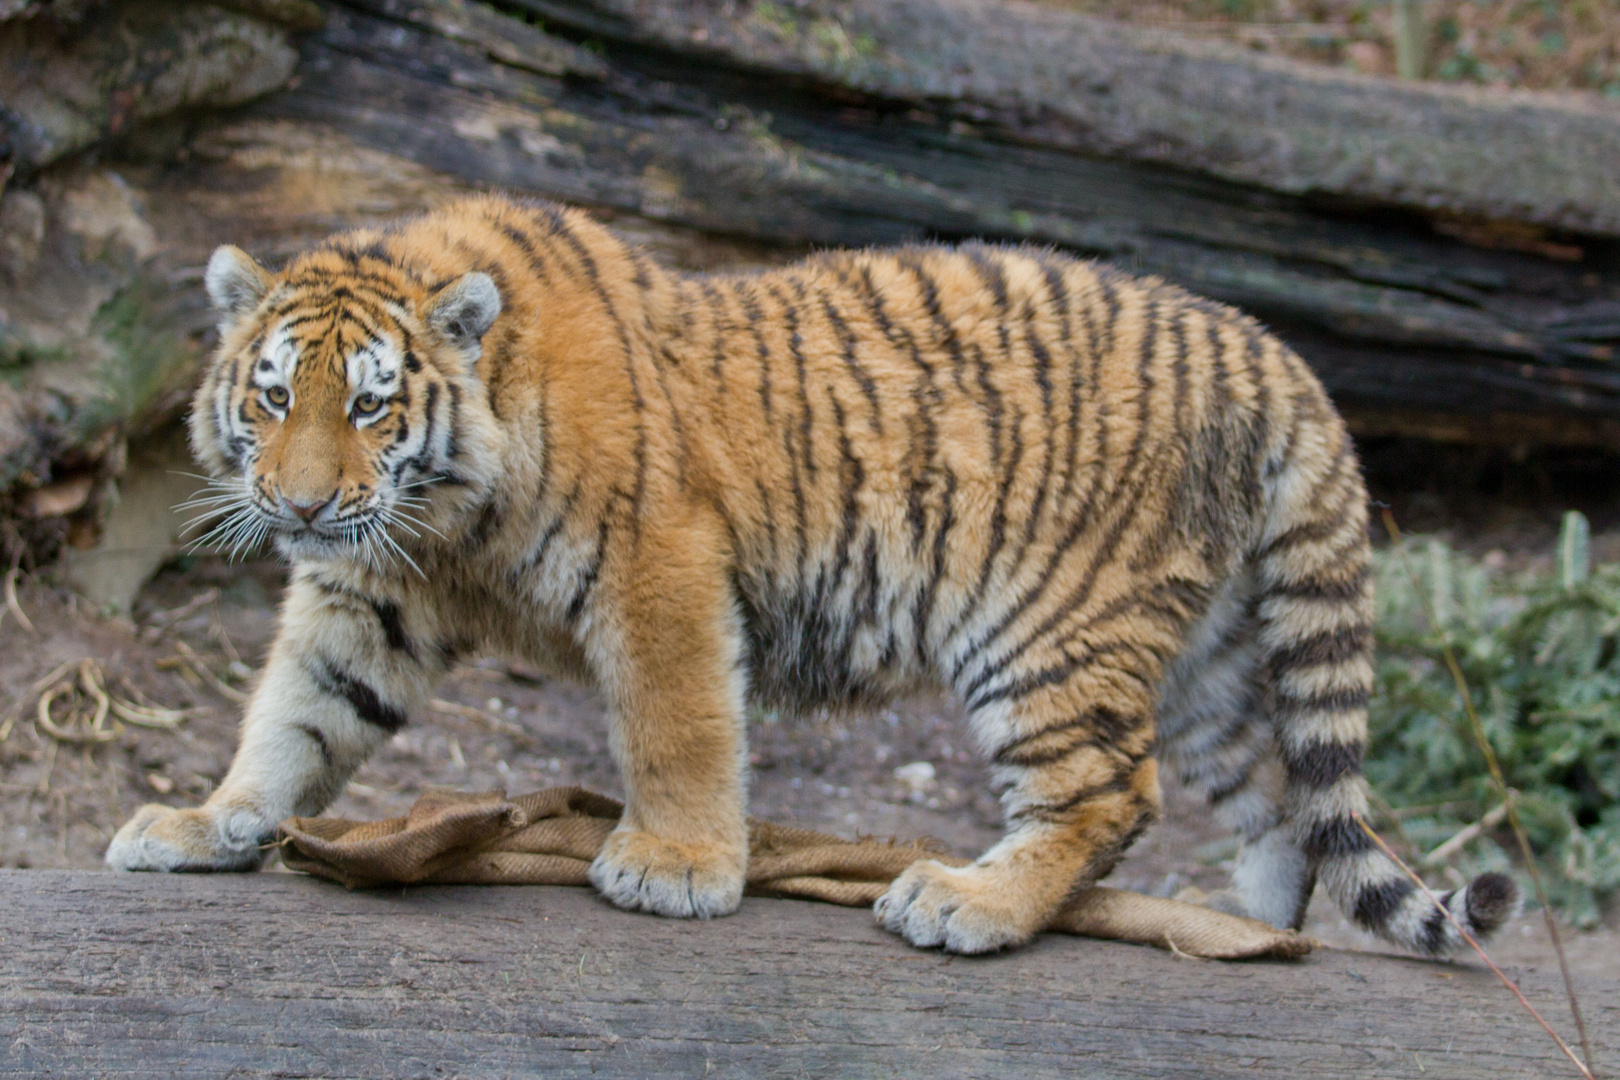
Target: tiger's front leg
<point>342,677</point>
<point>668,656</point>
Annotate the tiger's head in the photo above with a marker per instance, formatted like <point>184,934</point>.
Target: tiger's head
<point>343,399</point>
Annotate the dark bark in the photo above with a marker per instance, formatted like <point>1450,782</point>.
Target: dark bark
<point>1445,259</point>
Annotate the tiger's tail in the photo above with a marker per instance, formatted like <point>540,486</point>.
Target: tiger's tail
<point>1315,614</point>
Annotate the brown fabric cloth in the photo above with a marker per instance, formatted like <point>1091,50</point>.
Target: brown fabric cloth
<point>551,836</point>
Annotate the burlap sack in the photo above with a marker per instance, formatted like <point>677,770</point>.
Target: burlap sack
<point>551,836</point>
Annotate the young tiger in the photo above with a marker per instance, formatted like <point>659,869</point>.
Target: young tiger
<point>1122,524</point>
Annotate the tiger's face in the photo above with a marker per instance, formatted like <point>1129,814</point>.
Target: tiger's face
<point>342,394</point>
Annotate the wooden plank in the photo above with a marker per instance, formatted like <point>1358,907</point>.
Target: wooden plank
<point>276,975</point>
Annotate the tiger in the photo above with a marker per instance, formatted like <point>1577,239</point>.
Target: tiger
<point>1120,524</point>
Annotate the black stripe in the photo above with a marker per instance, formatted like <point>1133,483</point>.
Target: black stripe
<point>368,705</point>
<point>319,738</point>
<point>422,460</point>
<point>926,396</point>
<point>1120,784</point>
<point>561,228</point>
<point>555,528</point>
<point>790,314</point>
<point>1353,587</point>
<point>756,319</point>
<point>853,474</point>
<point>452,446</point>
<point>716,309</point>
<point>1335,838</point>
<point>1333,647</point>
<point>947,333</point>
<point>576,606</point>
<point>990,271</point>
<point>393,626</point>
<point>853,363</point>
<point>1311,532</point>
<point>1235,784</point>
<point>523,243</point>
<point>923,609</point>
<point>978,694</point>
<point>389,615</point>
<point>1432,938</point>
<point>1375,904</point>
<point>1318,764</point>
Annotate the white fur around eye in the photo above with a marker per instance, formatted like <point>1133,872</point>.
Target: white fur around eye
<point>372,369</point>
<point>273,370</point>
<point>276,362</point>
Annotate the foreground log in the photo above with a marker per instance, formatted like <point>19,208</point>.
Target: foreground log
<point>1444,258</point>
<point>259,975</point>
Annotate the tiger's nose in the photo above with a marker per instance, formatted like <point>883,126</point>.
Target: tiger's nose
<point>307,511</point>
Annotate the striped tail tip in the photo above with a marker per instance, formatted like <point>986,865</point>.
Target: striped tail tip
<point>1489,901</point>
<point>1480,907</point>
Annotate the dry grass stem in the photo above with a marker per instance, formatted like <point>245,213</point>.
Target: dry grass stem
<point>44,786</point>
<point>1445,851</point>
<point>1474,944</point>
<point>1506,793</point>
<point>87,730</point>
<point>94,731</point>
<point>13,606</point>
<point>163,620</point>
<point>468,712</point>
<point>200,668</point>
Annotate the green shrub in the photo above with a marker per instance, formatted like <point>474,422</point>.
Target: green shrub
<point>1539,651</point>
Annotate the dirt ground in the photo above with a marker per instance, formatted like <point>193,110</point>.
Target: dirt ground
<point>906,771</point>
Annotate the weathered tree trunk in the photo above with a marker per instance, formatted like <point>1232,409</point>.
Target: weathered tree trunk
<point>1444,258</point>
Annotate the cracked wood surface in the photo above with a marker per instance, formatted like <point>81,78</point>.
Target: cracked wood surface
<point>277,975</point>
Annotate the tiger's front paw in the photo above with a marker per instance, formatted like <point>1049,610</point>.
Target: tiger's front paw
<point>167,839</point>
<point>642,872</point>
<point>968,909</point>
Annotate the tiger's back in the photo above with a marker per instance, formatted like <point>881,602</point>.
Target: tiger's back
<point>934,462</point>
<point>1121,523</point>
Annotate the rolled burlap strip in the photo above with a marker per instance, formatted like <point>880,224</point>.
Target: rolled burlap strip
<point>551,836</point>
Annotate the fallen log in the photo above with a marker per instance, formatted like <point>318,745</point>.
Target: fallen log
<point>125,976</point>
<point>1442,257</point>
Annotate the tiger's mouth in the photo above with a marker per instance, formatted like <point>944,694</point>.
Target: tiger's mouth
<point>237,518</point>
<point>374,534</point>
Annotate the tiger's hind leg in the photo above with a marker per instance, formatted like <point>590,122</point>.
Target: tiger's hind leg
<point>1215,736</point>
<point>1073,760</point>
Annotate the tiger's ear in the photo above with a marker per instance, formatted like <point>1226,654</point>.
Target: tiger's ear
<point>235,283</point>
<point>463,310</point>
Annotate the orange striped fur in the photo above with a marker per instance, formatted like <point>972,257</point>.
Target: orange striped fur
<point>1123,524</point>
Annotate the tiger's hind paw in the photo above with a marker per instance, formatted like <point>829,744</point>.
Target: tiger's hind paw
<point>969,909</point>
<point>639,871</point>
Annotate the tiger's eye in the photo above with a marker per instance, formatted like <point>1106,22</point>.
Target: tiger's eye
<point>277,396</point>
<point>366,404</point>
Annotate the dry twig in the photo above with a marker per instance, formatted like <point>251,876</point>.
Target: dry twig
<point>1506,793</point>
<point>1466,936</point>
